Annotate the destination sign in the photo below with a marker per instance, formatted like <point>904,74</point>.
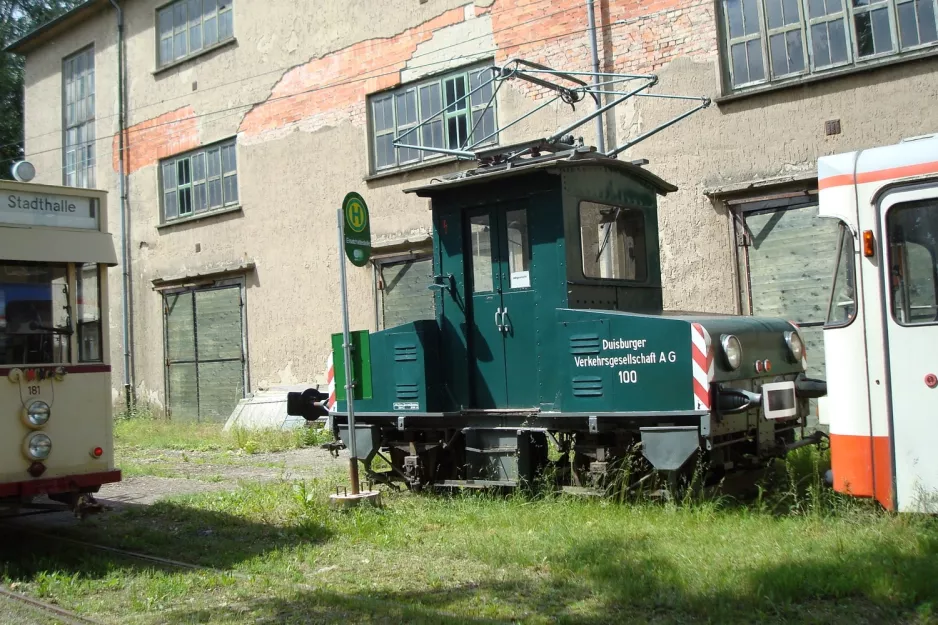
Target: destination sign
<point>42,209</point>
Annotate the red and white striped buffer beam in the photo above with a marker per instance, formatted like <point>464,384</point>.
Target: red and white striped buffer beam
<point>702,357</point>
<point>330,382</point>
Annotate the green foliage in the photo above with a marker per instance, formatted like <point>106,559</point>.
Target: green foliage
<point>17,18</point>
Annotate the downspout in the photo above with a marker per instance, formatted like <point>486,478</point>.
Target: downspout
<point>122,181</point>
<point>600,131</point>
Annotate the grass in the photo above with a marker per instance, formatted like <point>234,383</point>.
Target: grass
<point>149,433</point>
<point>800,555</point>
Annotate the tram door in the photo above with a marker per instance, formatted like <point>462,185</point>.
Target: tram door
<point>502,341</point>
<point>910,224</point>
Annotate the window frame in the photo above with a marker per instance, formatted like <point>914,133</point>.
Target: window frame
<point>205,181</point>
<point>443,116</point>
<point>227,9</point>
<point>850,273</point>
<point>888,257</point>
<point>847,15</point>
<point>644,276</point>
<point>87,163</point>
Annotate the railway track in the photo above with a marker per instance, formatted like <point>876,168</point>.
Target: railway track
<point>70,618</point>
<point>60,615</point>
<point>132,555</point>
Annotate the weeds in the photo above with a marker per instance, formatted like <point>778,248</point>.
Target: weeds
<point>146,432</point>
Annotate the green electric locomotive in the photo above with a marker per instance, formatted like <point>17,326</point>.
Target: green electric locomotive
<point>550,330</point>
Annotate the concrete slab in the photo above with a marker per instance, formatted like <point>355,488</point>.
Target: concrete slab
<point>267,409</point>
<point>348,501</point>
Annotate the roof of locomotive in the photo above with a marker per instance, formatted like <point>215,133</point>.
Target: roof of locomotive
<point>484,174</point>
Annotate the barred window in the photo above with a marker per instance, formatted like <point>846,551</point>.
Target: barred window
<point>78,79</point>
<point>199,181</point>
<point>188,26</point>
<point>777,40</point>
<point>462,123</point>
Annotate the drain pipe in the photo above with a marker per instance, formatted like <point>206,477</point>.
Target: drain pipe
<point>122,181</point>
<point>600,130</point>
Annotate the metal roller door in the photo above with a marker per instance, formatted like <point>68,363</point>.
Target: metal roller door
<point>204,353</point>
<point>786,264</point>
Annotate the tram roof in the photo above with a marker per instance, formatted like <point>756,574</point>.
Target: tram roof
<point>484,174</point>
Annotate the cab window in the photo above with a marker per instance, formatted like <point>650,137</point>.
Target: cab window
<point>612,240</point>
<point>35,317</point>
<point>843,303</point>
<point>912,236</point>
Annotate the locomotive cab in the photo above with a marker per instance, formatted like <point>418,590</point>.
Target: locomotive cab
<point>549,329</point>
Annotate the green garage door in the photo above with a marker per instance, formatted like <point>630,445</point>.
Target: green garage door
<point>204,353</point>
<point>790,254</point>
<point>406,297</point>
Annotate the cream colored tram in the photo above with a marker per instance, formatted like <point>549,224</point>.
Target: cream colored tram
<point>55,376</point>
<point>881,336</point>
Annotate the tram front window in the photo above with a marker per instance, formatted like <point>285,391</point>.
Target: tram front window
<point>35,316</point>
<point>843,303</point>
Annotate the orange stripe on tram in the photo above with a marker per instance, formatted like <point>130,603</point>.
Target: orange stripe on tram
<point>862,467</point>
<point>920,169</point>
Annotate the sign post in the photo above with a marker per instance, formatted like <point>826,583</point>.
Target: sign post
<point>355,242</point>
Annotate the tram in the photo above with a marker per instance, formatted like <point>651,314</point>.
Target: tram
<point>881,335</point>
<point>55,380</point>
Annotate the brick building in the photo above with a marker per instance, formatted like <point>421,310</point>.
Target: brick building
<point>245,123</point>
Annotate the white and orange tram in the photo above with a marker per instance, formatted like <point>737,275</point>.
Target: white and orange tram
<point>55,380</point>
<point>881,336</point>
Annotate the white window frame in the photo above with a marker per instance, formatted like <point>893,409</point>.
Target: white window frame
<point>847,15</point>
<point>214,11</point>
<point>201,180</point>
<point>78,119</point>
<point>404,157</point>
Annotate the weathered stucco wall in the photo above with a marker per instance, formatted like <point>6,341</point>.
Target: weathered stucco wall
<point>293,90</point>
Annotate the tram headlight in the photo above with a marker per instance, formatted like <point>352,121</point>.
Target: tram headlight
<point>38,446</point>
<point>732,351</point>
<point>37,414</point>
<point>795,345</point>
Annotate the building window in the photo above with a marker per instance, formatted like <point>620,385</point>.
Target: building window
<point>200,181</point>
<point>78,77</point>
<point>188,26</point>
<point>775,40</point>
<point>461,124</point>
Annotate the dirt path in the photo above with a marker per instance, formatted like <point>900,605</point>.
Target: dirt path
<point>168,473</point>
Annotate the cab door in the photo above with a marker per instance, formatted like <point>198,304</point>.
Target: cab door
<point>910,227</point>
<point>503,299</point>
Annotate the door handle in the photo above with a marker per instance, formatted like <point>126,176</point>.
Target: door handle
<point>497,313</point>
<point>505,320</point>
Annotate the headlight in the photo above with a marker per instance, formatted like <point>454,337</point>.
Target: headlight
<point>38,446</point>
<point>795,346</point>
<point>732,350</point>
<point>37,414</point>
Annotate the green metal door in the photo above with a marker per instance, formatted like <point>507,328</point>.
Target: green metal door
<point>518,307</point>
<point>503,332</point>
<point>487,343</point>
<point>204,353</point>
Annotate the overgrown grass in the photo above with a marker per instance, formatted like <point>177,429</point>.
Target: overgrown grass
<point>798,554</point>
<point>142,431</point>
